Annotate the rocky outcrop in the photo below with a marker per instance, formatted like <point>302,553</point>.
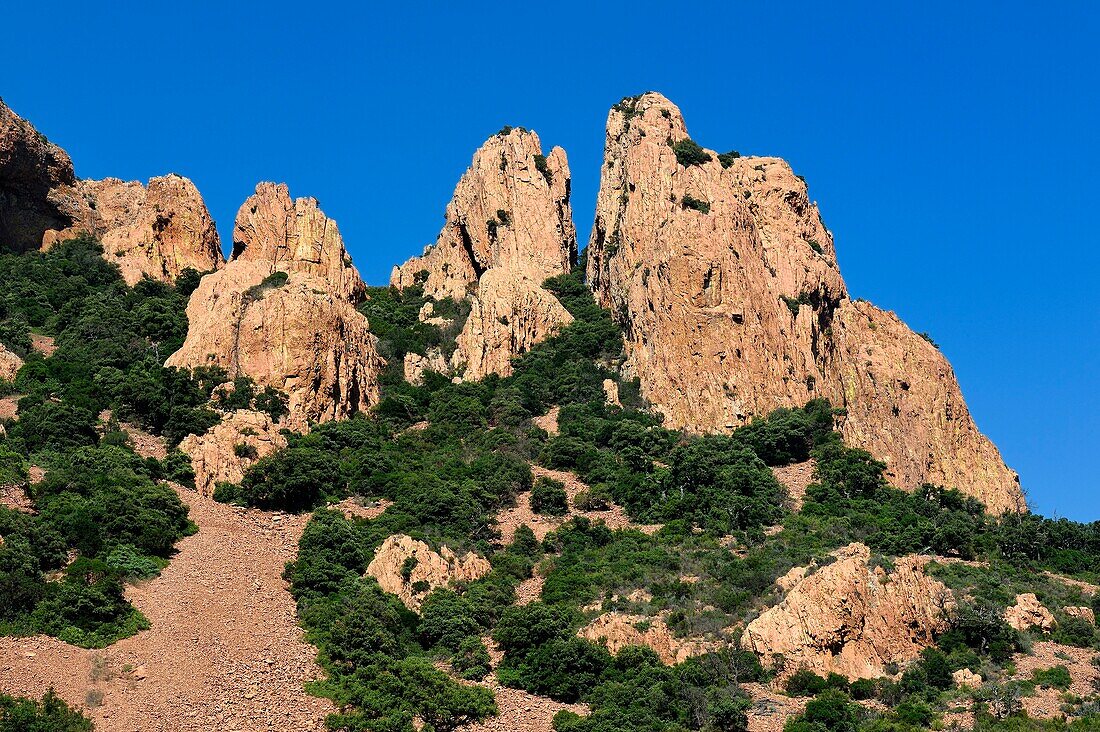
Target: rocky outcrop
<point>965,678</point>
<point>10,364</point>
<point>1079,611</point>
<point>508,228</point>
<point>618,630</point>
<point>287,322</point>
<point>294,236</point>
<point>725,280</point>
<point>296,337</point>
<point>215,455</point>
<point>156,231</point>
<point>509,210</point>
<point>1029,613</point>
<point>38,187</point>
<point>410,569</point>
<point>416,365</point>
<point>510,314</point>
<point>851,619</point>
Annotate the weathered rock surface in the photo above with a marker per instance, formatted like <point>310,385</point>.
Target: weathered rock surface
<point>510,314</point>
<point>436,569</point>
<point>10,364</point>
<point>535,237</point>
<point>294,236</point>
<point>508,228</point>
<point>851,619</point>
<point>727,285</point>
<point>618,630</point>
<point>214,455</point>
<point>155,231</point>
<point>1028,612</point>
<point>298,337</point>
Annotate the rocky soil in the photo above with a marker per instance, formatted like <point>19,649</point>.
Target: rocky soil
<point>224,651</point>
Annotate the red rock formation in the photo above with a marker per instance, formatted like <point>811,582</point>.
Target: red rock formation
<point>300,334</point>
<point>10,364</point>
<point>850,619</point>
<point>1028,613</point>
<point>508,228</point>
<point>294,236</point>
<point>726,283</point>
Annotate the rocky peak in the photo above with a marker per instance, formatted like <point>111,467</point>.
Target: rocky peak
<point>294,236</point>
<point>300,333</point>
<point>510,210</point>
<point>509,227</point>
<point>153,231</point>
<point>725,280</point>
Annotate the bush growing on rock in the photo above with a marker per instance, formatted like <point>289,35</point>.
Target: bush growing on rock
<point>548,496</point>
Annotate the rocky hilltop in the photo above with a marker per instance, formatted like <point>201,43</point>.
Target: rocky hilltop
<point>154,231</point>
<point>725,281</point>
<point>509,227</point>
<point>282,311</point>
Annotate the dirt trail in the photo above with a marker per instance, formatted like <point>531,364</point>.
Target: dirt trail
<point>224,652</point>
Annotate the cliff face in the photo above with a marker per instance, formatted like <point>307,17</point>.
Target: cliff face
<point>38,189</point>
<point>850,619</point>
<point>155,231</point>
<point>284,320</point>
<point>726,283</point>
<point>509,227</point>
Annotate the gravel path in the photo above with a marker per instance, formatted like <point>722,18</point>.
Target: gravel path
<point>224,651</point>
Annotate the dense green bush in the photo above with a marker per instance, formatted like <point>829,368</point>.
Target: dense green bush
<point>688,153</point>
<point>548,496</point>
<point>51,714</point>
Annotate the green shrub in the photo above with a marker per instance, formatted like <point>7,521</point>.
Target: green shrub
<point>806,683</point>
<point>727,158</point>
<point>51,714</point>
<point>292,479</point>
<point>542,167</point>
<point>1056,678</point>
<point>471,660</point>
<point>689,153</point>
<point>694,203</point>
<point>548,496</point>
<point>271,282</point>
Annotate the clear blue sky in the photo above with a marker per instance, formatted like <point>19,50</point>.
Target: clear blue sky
<point>952,146</point>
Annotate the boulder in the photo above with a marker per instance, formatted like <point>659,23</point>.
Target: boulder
<point>10,364</point>
<point>1077,611</point>
<point>410,569</point>
<point>617,630</point>
<point>965,678</point>
<point>726,283</point>
<point>1029,613</point>
<point>850,619</point>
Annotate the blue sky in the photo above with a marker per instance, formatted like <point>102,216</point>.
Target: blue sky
<point>951,146</point>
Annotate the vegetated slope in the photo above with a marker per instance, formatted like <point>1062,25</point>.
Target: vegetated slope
<point>449,457</point>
